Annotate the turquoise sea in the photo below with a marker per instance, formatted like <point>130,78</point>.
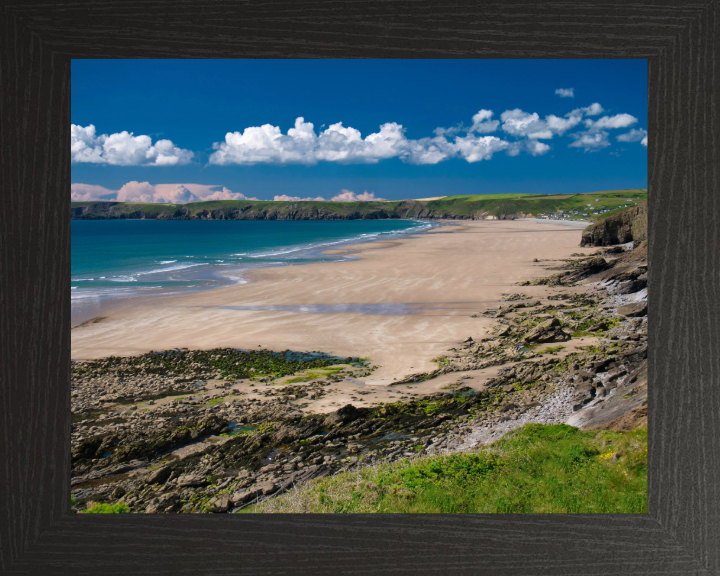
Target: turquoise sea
<point>119,259</point>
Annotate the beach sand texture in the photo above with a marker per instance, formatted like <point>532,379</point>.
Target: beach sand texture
<point>442,276</point>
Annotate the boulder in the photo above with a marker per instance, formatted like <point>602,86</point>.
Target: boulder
<point>347,413</point>
<point>633,310</point>
<point>290,433</point>
<point>267,487</point>
<point>158,476</point>
<point>220,504</point>
<point>246,496</point>
<point>548,331</point>
<point>188,480</point>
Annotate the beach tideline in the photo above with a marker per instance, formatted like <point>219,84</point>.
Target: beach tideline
<point>444,277</point>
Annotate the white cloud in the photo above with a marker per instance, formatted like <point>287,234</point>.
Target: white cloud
<point>350,196</point>
<point>475,148</point>
<point>123,149</point>
<point>609,122</point>
<point>565,92</point>
<point>644,141</point>
<point>286,198</point>
<point>634,135</point>
<point>338,143</point>
<point>482,122</point>
<point>84,192</point>
<point>590,141</point>
<point>593,110</point>
<point>525,125</point>
<point>155,193</point>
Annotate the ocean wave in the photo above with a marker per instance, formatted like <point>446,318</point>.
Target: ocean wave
<point>81,279</point>
<point>170,269</point>
<point>166,261</point>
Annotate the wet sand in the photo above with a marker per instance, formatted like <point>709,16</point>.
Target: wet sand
<point>402,304</point>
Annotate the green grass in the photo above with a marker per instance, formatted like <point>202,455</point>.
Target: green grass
<point>102,508</point>
<point>536,469</point>
<point>214,401</point>
<point>552,349</point>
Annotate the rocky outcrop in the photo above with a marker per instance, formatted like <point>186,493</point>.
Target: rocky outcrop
<point>548,331</point>
<point>630,225</point>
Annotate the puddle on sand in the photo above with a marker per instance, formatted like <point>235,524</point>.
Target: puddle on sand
<point>379,309</point>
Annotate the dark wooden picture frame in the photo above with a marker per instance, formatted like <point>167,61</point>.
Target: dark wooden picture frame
<point>681,532</point>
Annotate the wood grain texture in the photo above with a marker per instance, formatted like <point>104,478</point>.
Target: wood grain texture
<point>681,533</point>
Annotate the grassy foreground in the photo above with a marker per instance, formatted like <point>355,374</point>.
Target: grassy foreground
<point>536,469</point>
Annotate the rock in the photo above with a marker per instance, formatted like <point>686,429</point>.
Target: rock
<point>158,476</point>
<point>220,504</point>
<point>633,310</point>
<point>626,226</point>
<point>548,331</point>
<point>347,413</point>
<point>119,492</point>
<point>187,480</point>
<point>267,487</point>
<point>504,331</point>
<point>290,433</point>
<point>597,327</point>
<point>246,496</point>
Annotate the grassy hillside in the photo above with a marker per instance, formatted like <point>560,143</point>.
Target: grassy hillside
<point>536,469</point>
<point>589,206</point>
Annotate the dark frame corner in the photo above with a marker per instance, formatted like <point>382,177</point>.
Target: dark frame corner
<point>680,535</point>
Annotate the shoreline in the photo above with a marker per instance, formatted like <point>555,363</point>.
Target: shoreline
<point>426,275</point>
<point>213,277</point>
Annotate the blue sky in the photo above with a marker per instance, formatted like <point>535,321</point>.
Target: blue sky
<point>186,130</point>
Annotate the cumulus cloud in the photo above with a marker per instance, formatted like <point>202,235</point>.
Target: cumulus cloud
<point>565,92</point>
<point>155,193</point>
<point>344,144</point>
<point>596,136</point>
<point>338,143</point>
<point>608,122</point>
<point>593,110</point>
<point>350,196</point>
<point>84,192</point>
<point>644,141</point>
<point>634,135</point>
<point>482,123</point>
<point>123,149</point>
<point>525,125</point>
<point>476,148</point>
<point>590,141</point>
<point>286,198</point>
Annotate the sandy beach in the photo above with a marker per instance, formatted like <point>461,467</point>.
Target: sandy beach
<point>410,300</point>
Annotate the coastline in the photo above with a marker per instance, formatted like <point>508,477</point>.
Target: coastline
<point>196,431</point>
<point>204,272</point>
<point>427,273</point>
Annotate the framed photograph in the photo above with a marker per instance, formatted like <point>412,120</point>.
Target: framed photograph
<point>387,302</point>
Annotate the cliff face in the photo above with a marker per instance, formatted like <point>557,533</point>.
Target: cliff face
<point>626,226</point>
